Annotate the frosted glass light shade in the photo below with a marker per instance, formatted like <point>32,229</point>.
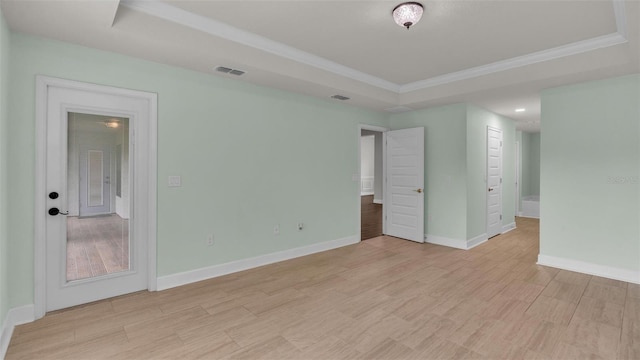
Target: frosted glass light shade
<point>407,14</point>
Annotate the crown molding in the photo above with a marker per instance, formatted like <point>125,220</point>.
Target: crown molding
<point>232,33</point>
<point>519,61</point>
<point>213,27</point>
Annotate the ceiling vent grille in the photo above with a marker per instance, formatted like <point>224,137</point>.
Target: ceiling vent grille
<point>227,70</point>
<point>340,97</point>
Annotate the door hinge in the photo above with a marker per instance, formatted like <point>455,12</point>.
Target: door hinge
<point>500,180</point>
<point>500,216</point>
<point>500,143</point>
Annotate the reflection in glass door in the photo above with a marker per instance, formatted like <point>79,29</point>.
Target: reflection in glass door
<point>98,196</point>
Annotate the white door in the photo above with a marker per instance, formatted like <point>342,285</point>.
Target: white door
<point>518,172</point>
<point>95,180</point>
<point>89,259</point>
<point>494,181</point>
<point>404,191</point>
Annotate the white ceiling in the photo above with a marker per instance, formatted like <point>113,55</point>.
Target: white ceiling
<point>495,54</point>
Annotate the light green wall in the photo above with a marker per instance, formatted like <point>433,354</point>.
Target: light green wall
<point>525,150</point>
<point>250,157</point>
<point>4,118</point>
<point>455,167</point>
<point>530,157</point>
<point>534,163</point>
<point>590,167</point>
<point>445,167</point>
<point>478,119</point>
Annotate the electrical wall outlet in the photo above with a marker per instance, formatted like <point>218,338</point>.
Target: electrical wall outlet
<point>300,226</point>
<point>210,240</point>
<point>276,230</point>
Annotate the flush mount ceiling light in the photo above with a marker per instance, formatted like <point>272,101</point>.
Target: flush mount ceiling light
<point>112,124</point>
<point>407,14</point>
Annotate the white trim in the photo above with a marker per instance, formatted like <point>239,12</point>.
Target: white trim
<point>528,216</point>
<point>590,268</point>
<point>226,31</point>
<point>383,130</point>
<point>473,242</point>
<point>16,316</point>
<point>42,84</point>
<point>377,201</point>
<point>508,227</point>
<point>188,277</point>
<point>444,241</point>
<point>456,243</point>
<point>232,33</point>
<point>518,61</point>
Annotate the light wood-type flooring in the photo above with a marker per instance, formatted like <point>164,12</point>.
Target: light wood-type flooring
<point>383,298</point>
<point>97,245</point>
<point>370,218</point>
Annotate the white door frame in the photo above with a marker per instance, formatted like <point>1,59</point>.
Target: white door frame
<point>149,171</point>
<point>383,130</point>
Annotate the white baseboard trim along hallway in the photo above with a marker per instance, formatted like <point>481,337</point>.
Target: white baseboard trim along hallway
<point>191,276</point>
<point>590,268</point>
<point>456,243</point>
<point>16,316</point>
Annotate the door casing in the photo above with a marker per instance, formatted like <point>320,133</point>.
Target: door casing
<point>146,139</point>
<point>383,130</point>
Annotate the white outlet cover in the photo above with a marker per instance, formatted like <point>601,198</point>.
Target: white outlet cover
<point>175,181</point>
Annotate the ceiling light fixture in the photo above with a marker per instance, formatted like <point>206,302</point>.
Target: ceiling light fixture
<point>521,110</point>
<point>112,124</point>
<point>407,14</point>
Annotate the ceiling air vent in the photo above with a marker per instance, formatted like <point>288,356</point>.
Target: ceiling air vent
<point>227,70</point>
<point>340,97</point>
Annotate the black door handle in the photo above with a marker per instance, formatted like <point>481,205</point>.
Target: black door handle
<point>55,211</point>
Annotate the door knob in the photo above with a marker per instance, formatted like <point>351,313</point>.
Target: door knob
<point>55,211</point>
<point>490,189</point>
<point>418,191</point>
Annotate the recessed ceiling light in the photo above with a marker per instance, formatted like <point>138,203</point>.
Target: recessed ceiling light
<point>521,110</point>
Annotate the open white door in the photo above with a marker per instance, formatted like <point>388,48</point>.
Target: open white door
<point>494,181</point>
<point>404,191</point>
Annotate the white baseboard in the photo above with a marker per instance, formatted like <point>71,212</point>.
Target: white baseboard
<point>366,193</point>
<point>471,243</point>
<point>16,316</point>
<point>456,243</point>
<point>444,241</point>
<point>508,227</point>
<point>590,268</point>
<point>188,277</point>
<point>377,201</point>
<point>528,216</point>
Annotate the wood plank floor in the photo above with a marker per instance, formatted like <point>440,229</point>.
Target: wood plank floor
<point>96,246</point>
<point>370,218</point>
<point>383,298</point>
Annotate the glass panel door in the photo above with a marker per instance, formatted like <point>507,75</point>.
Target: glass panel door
<point>98,220</point>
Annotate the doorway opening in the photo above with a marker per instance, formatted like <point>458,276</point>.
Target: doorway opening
<point>371,195</point>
